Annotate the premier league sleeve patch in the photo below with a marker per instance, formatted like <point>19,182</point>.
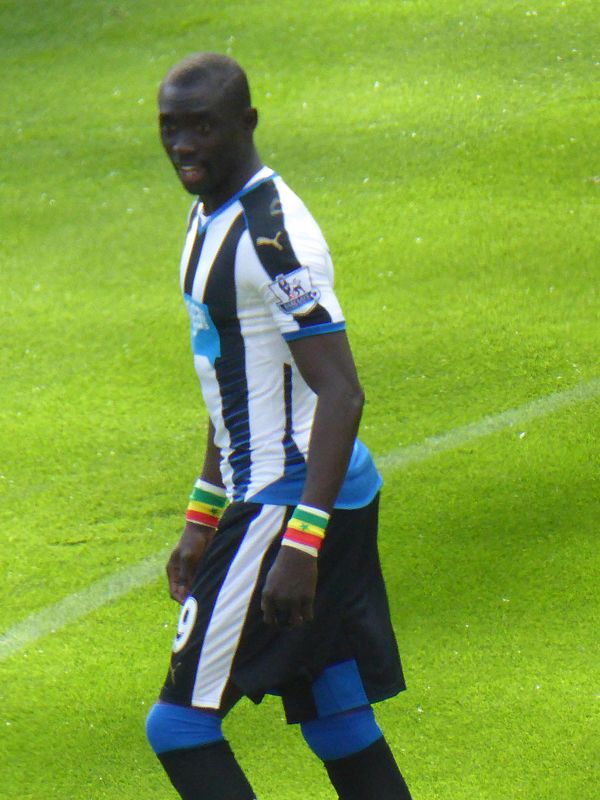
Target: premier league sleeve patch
<point>293,292</point>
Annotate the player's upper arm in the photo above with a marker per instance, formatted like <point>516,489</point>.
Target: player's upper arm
<point>289,264</point>
<point>326,363</point>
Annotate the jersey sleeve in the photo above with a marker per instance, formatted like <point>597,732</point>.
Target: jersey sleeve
<point>290,265</point>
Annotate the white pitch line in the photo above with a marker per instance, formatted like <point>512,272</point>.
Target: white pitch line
<point>433,445</point>
<point>73,607</point>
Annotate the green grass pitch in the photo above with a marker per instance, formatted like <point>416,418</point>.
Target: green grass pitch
<point>449,151</point>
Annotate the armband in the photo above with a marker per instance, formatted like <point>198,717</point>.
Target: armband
<point>306,529</point>
<point>207,504</point>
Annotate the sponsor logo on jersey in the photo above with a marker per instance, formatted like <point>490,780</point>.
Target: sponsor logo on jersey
<point>203,333</point>
<point>198,316</point>
<point>294,293</point>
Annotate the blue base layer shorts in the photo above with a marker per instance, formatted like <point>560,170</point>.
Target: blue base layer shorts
<point>223,650</point>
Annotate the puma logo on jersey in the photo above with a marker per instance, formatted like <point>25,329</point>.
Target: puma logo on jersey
<point>273,242</point>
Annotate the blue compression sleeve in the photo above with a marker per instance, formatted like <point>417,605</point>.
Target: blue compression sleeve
<point>171,727</point>
<point>341,735</point>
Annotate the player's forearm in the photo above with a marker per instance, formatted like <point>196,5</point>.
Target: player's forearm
<point>208,498</point>
<point>211,469</point>
<point>335,426</point>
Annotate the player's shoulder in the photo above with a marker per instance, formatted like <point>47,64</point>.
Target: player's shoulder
<point>276,215</point>
<point>272,201</point>
<point>290,201</point>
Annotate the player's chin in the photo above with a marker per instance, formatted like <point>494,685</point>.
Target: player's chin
<point>193,187</point>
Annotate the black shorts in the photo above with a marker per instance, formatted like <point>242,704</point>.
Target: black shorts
<point>224,650</point>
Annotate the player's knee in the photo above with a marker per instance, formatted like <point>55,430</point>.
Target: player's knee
<point>341,735</point>
<point>171,727</point>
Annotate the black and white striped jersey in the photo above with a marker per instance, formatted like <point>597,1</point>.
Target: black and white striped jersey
<point>255,275</point>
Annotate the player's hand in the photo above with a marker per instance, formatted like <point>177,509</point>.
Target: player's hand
<point>185,558</point>
<point>289,592</point>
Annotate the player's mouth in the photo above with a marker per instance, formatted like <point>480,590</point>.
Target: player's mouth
<point>191,174</point>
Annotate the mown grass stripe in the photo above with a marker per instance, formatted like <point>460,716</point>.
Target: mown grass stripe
<point>73,607</point>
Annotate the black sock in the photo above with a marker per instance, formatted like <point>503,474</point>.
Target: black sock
<point>207,773</point>
<point>371,774</point>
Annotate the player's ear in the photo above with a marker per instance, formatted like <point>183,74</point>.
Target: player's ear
<point>250,119</point>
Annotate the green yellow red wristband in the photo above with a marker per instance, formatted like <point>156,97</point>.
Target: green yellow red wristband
<point>207,504</point>
<point>306,529</point>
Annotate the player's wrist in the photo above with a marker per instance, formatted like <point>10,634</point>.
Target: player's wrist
<point>206,505</point>
<point>306,529</point>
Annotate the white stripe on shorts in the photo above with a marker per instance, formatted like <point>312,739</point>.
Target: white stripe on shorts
<point>229,614</point>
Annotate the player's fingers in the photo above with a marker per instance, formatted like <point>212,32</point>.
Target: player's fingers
<point>171,565</point>
<point>173,576</point>
<point>284,618</point>
<point>295,618</point>
<point>178,592</point>
<point>306,610</point>
<point>184,577</point>
<point>179,578</point>
<point>187,571</point>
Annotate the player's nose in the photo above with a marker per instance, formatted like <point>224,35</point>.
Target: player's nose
<point>184,145</point>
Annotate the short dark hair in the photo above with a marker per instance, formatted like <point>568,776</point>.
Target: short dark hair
<point>222,72</point>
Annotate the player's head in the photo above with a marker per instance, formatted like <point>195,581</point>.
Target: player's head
<point>207,123</point>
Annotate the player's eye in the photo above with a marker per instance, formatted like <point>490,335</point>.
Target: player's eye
<point>203,128</point>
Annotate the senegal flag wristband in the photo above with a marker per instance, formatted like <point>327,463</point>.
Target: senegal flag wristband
<point>207,504</point>
<point>306,529</point>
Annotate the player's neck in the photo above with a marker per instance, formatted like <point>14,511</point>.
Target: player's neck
<point>215,200</point>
